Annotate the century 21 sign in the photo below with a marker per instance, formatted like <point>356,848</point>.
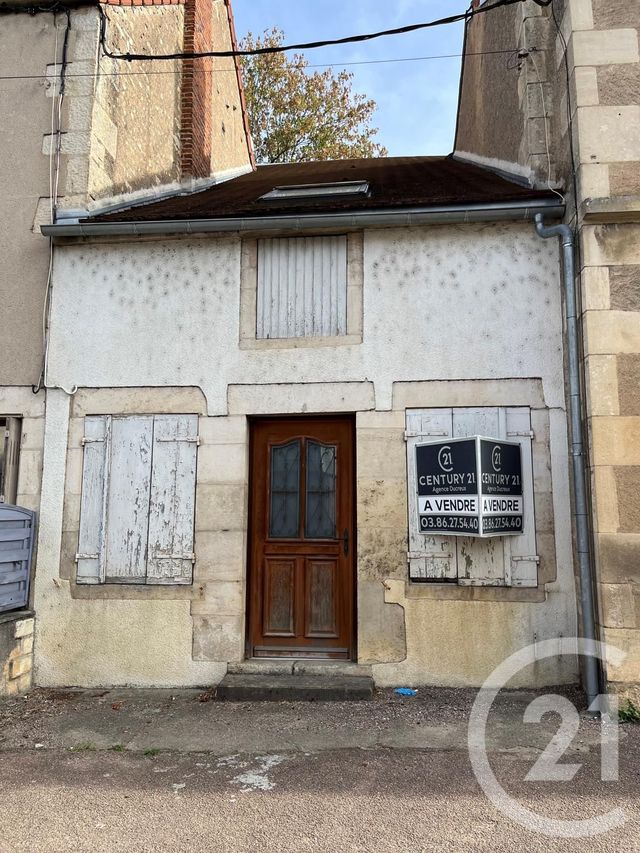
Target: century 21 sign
<point>470,487</point>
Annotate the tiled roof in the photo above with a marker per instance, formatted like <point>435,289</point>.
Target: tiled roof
<point>394,183</point>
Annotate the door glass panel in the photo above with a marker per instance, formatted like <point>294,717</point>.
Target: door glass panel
<point>284,520</point>
<point>320,520</point>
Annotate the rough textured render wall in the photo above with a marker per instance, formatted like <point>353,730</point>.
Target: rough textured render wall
<point>602,40</point>
<point>135,121</point>
<point>28,44</point>
<point>230,138</point>
<point>447,283</point>
<point>121,636</point>
<point>505,96</point>
<point>136,125</point>
<point>16,653</point>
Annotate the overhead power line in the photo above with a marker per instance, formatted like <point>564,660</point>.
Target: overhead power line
<point>174,71</point>
<point>261,51</point>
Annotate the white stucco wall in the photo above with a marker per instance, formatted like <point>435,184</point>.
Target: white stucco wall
<point>444,303</point>
<point>458,302</point>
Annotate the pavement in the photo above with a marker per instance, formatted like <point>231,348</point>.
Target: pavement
<point>157,770</point>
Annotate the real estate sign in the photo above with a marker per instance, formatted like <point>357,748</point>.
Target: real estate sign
<point>470,487</point>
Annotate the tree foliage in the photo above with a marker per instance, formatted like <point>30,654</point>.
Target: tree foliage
<point>298,115</point>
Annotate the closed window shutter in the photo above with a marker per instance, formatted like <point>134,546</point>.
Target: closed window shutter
<point>430,557</point>
<point>127,513</point>
<point>521,551</point>
<point>17,529</point>
<point>302,287</point>
<point>95,477</point>
<point>172,502</point>
<point>481,562</point>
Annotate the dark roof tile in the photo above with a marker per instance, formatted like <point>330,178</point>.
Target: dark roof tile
<point>394,182</point>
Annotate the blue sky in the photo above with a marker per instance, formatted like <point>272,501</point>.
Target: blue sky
<point>416,100</point>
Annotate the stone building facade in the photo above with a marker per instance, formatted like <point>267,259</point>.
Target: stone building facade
<point>82,128</point>
<point>529,119</point>
<point>181,336</point>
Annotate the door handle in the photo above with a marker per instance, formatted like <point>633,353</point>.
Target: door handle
<point>345,542</point>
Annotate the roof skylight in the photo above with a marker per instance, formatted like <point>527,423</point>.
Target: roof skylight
<point>311,191</point>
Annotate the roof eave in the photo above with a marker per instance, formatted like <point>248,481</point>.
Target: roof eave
<point>512,211</point>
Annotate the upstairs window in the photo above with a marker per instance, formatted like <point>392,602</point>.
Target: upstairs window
<point>302,287</point>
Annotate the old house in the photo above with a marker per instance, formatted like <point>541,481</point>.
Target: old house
<point>556,96</point>
<point>231,473</point>
<point>83,129</point>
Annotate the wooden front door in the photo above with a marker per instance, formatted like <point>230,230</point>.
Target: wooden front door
<point>301,573</point>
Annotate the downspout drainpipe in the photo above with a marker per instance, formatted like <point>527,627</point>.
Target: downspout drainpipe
<point>581,507</point>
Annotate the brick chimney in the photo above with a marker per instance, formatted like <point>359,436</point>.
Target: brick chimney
<point>195,97</point>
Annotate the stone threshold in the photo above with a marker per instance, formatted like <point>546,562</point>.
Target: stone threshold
<point>300,666</point>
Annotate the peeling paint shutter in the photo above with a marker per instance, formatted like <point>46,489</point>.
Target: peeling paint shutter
<point>481,562</point>
<point>302,287</point>
<point>172,503</point>
<point>520,551</point>
<point>95,478</point>
<point>17,529</point>
<point>9,460</point>
<point>127,515</point>
<point>430,557</point>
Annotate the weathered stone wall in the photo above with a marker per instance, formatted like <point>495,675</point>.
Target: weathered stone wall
<point>598,40</point>
<point>602,45</point>
<point>506,91</point>
<point>27,45</point>
<point>135,120</point>
<point>443,282</point>
<point>16,652</point>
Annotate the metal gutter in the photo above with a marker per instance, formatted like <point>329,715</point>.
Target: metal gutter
<point>581,503</point>
<point>405,217</point>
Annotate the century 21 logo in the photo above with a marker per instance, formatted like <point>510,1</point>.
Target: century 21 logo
<point>445,458</point>
<point>496,459</point>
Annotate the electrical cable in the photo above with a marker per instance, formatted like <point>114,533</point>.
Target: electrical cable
<point>531,55</point>
<point>54,178</point>
<point>200,70</point>
<point>409,28</point>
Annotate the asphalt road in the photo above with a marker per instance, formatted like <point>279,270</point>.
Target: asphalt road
<point>346,800</point>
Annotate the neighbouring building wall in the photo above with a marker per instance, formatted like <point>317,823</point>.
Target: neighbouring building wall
<point>25,180</point>
<point>506,89</point>
<point>123,128</point>
<point>601,113</point>
<point>602,43</point>
<point>133,109</point>
<point>473,334</point>
<point>16,653</point>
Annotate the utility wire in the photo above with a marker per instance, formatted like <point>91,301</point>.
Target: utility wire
<point>260,51</point>
<point>200,70</point>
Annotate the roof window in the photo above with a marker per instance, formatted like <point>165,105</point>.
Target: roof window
<point>313,191</point>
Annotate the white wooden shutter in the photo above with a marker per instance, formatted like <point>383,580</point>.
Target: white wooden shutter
<point>10,433</point>
<point>481,562</point>
<point>172,503</point>
<point>127,505</point>
<point>95,478</point>
<point>430,557</point>
<point>302,287</point>
<point>520,551</point>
